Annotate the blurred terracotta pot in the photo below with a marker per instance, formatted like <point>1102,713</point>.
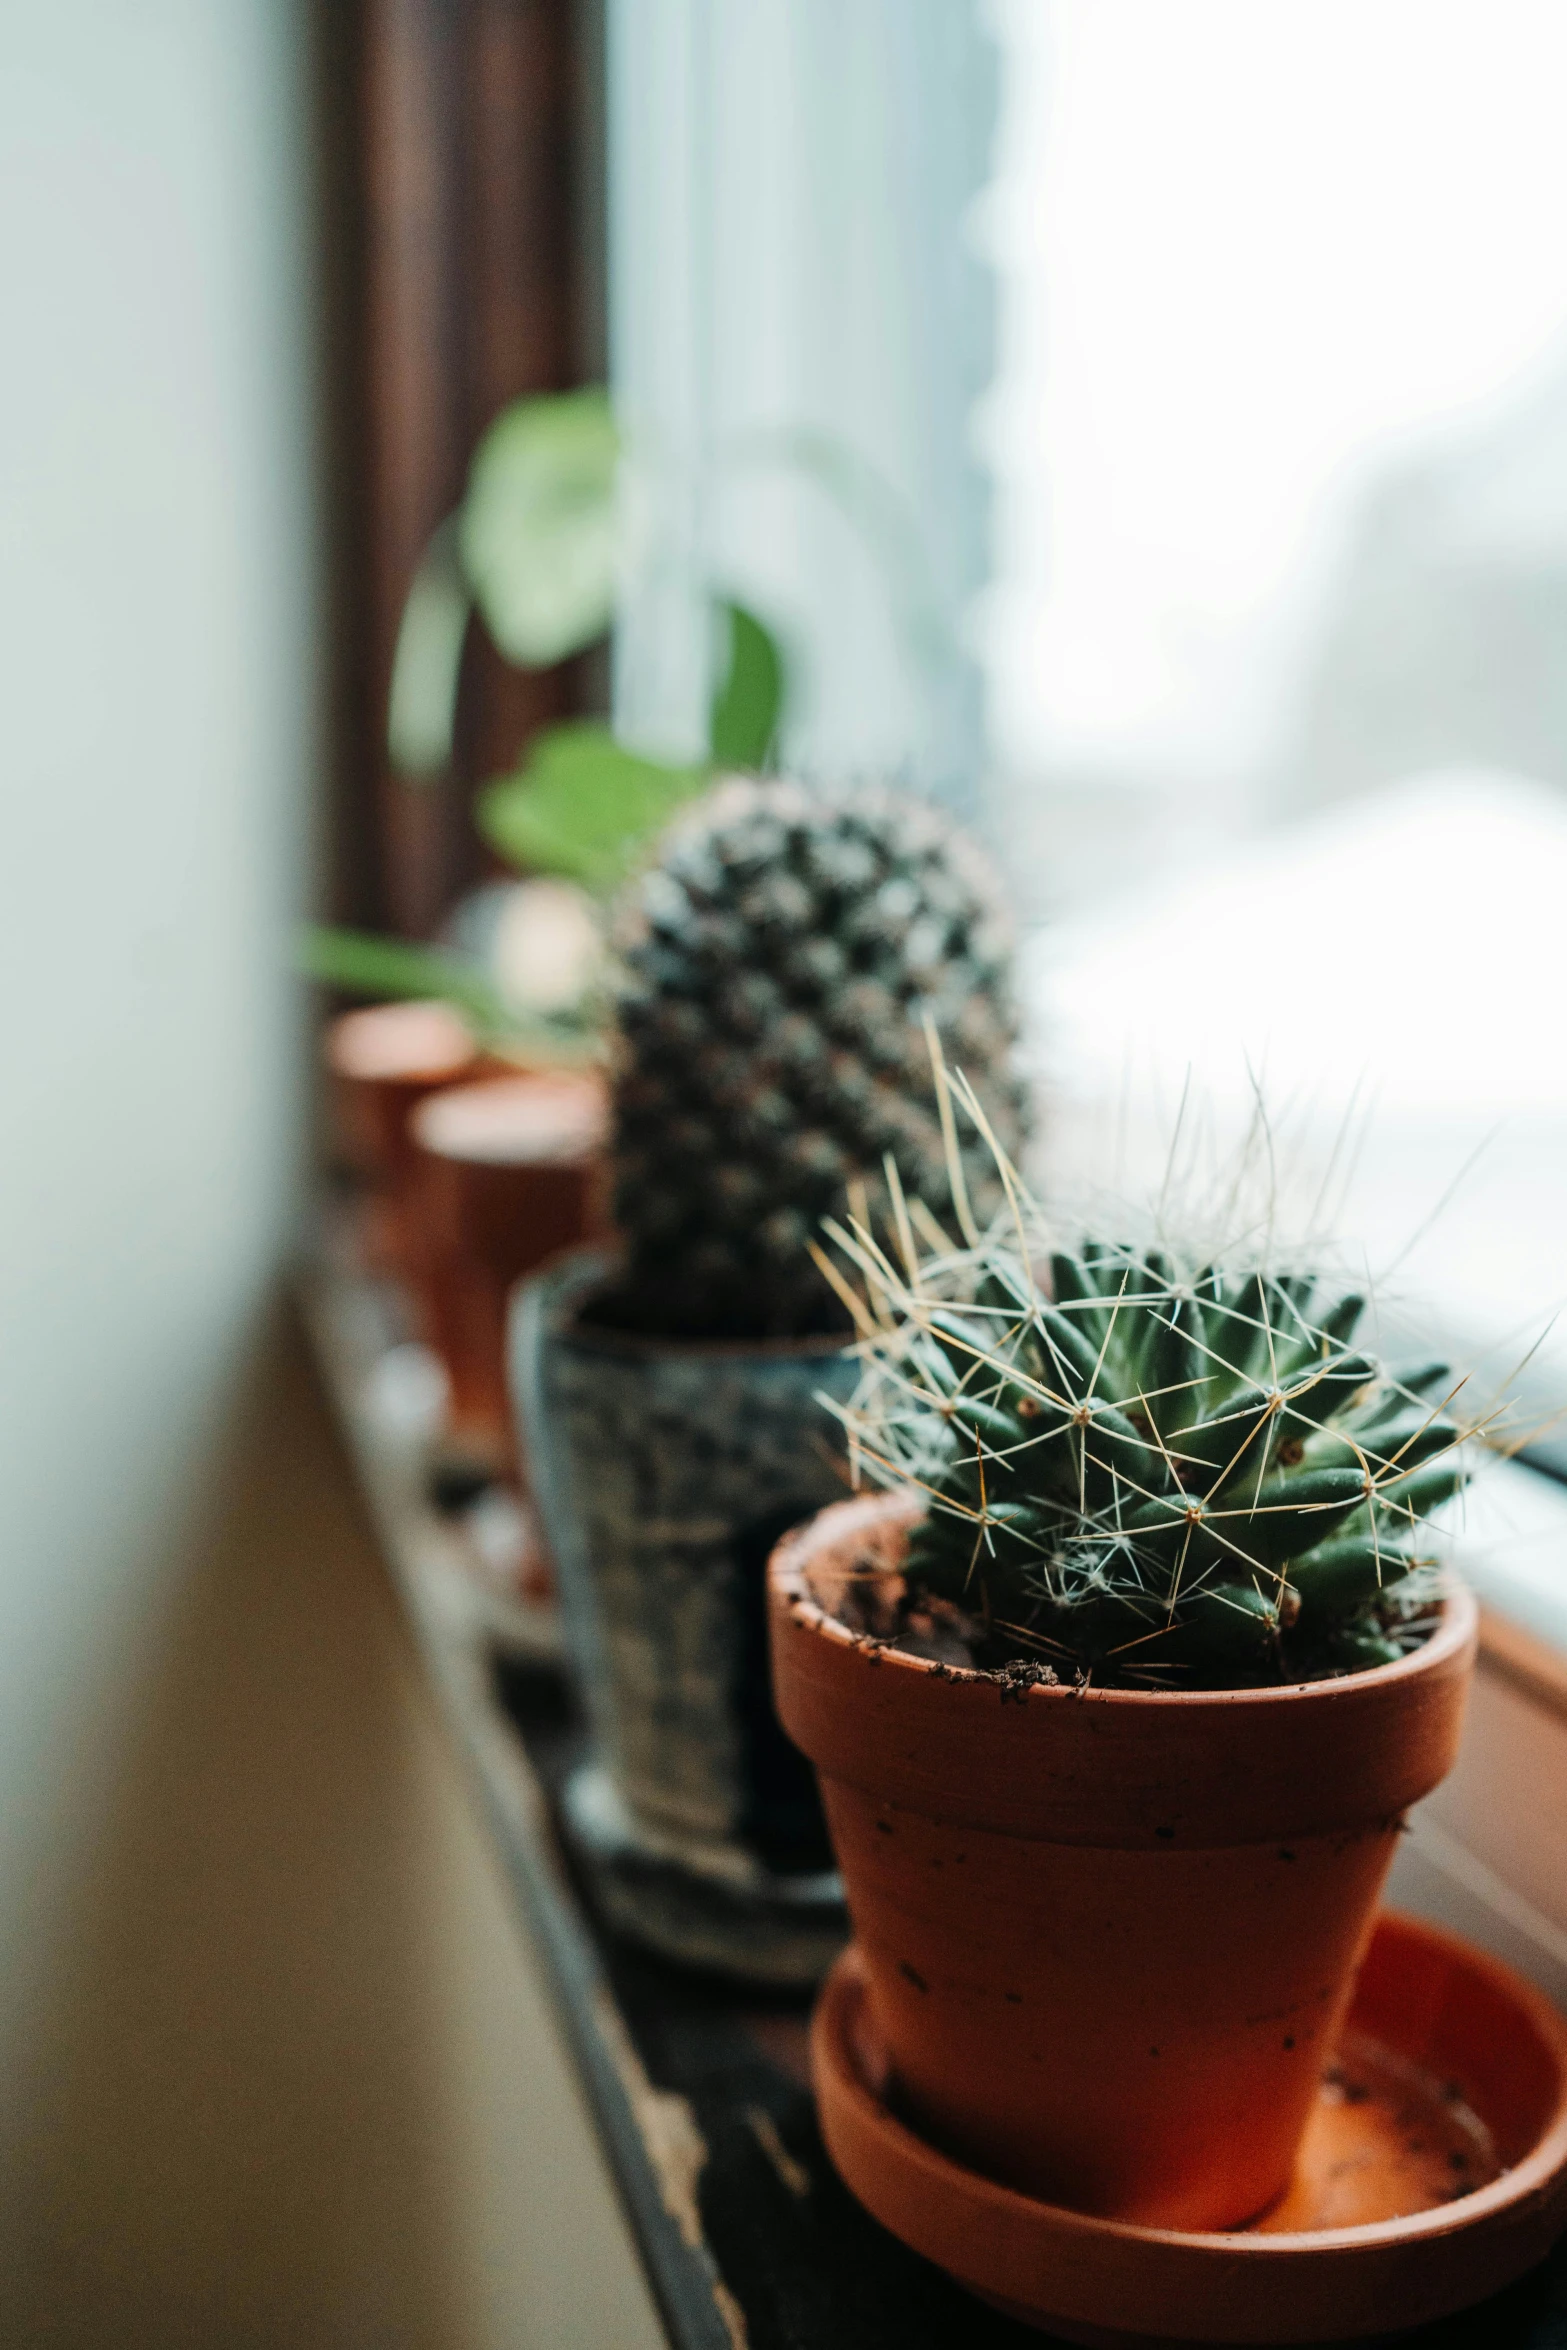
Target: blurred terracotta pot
<point>507,1172</point>
<point>381,1063</point>
<point>1108,1937</point>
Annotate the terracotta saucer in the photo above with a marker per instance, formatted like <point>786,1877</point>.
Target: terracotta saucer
<point>1434,2172</point>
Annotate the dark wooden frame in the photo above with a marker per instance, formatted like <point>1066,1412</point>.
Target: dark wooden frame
<point>460,209</point>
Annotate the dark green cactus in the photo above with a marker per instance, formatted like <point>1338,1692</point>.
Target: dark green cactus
<point>1154,1473</point>
<point>784,966</point>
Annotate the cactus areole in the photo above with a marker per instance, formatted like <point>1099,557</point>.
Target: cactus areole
<point>1152,1473</point>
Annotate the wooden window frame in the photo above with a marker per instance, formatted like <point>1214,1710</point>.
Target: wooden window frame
<point>461,216</point>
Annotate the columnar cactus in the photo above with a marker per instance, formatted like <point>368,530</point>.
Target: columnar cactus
<point>784,968</point>
<point>1152,1472</point>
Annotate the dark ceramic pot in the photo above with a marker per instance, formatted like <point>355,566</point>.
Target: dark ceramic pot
<point>665,1472</point>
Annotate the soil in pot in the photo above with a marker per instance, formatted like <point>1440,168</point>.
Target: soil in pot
<point>1109,1936</point>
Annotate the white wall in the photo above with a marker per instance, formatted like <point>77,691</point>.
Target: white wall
<point>275,2064</point>
<point>157,731</point>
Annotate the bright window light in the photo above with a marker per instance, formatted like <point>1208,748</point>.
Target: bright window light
<point>1251,258</point>
<point>1280,607</point>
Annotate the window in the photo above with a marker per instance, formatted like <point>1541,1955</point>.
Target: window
<point>1278,702</point>
<point>1280,427</point>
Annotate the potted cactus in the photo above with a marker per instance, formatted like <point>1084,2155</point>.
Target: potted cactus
<point>1118,1695</point>
<point>782,968</point>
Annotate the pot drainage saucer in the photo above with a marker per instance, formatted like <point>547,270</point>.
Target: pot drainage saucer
<point>721,1910</point>
<point>1434,2172</point>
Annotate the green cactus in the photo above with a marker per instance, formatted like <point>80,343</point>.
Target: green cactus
<point>786,966</point>
<point>1151,1472</point>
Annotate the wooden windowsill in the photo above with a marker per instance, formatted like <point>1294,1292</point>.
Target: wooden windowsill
<point>699,2090</point>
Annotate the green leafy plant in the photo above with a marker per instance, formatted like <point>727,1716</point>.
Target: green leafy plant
<point>533,550</point>
<point>783,968</point>
<point>536,550</point>
<point>1150,1468</point>
<point>581,806</point>
<point>361,963</point>
<point>538,532</point>
<point>545,1032</point>
<point>584,806</point>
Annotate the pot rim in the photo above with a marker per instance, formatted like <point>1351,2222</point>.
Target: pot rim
<point>459,1056</point>
<point>574,1276</point>
<point>479,1153</point>
<point>788,1567</point>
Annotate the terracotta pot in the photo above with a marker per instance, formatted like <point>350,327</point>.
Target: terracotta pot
<point>507,1172</point>
<point>1109,1937</point>
<point>664,1471</point>
<point>381,1063</point>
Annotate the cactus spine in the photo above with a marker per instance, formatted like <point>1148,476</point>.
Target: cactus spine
<point>1154,1472</point>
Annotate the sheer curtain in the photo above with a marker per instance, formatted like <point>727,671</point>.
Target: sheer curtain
<point>800,327</point>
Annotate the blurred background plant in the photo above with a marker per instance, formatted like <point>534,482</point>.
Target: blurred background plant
<point>554,519</point>
<point>535,551</point>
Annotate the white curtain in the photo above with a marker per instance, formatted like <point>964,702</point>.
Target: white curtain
<point>800,327</point>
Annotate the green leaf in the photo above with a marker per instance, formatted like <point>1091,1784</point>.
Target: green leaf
<point>425,665</point>
<point>538,526</point>
<point>744,721</point>
<point>582,805</point>
<point>362,964</point>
